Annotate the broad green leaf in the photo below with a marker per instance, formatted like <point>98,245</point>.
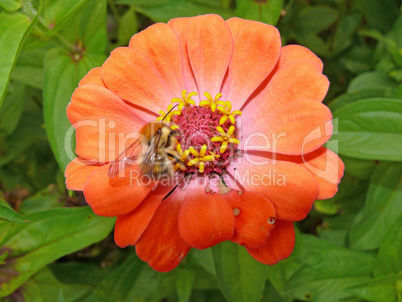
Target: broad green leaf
<point>361,169</point>
<point>128,26</point>
<point>8,214</point>
<point>45,199</point>
<point>58,14</point>
<point>62,75</point>
<point>10,5</point>
<point>351,97</point>
<point>315,18</point>
<point>44,287</point>
<point>335,229</point>
<point>116,285</point>
<point>267,12</point>
<point>327,271</point>
<point>179,8</point>
<point>371,129</point>
<point>14,29</point>
<point>28,75</point>
<point>377,290</point>
<point>204,259</point>
<point>387,268</point>
<point>12,108</point>
<point>146,287</point>
<point>28,131</point>
<point>184,278</point>
<point>347,26</point>
<point>50,235</point>
<point>382,207</point>
<point>379,14</point>
<point>78,273</point>
<point>371,80</point>
<point>358,59</point>
<point>389,260</point>
<point>240,277</point>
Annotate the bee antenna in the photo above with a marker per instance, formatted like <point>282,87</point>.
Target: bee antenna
<point>169,112</point>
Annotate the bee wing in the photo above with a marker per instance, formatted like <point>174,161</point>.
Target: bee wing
<point>150,158</point>
<point>126,159</point>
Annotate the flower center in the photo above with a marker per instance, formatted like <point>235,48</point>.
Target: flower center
<point>207,134</point>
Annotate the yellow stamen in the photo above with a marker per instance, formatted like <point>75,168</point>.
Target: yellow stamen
<point>226,110</point>
<point>200,158</point>
<point>184,101</point>
<point>225,138</point>
<point>212,103</point>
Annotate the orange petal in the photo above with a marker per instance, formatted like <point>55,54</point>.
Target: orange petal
<point>292,53</point>
<point>210,46</point>
<point>236,25</point>
<point>280,244</point>
<point>328,170</point>
<point>290,187</point>
<point>180,26</point>
<point>254,218</point>
<point>161,244</point>
<point>93,77</point>
<point>116,196</point>
<point>132,76</point>
<point>77,173</point>
<point>205,219</point>
<point>161,46</point>
<point>300,80</point>
<point>102,139</point>
<point>89,100</point>
<point>256,52</point>
<point>299,127</point>
<point>129,227</point>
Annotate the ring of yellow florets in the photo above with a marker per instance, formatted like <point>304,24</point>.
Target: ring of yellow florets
<point>208,137</point>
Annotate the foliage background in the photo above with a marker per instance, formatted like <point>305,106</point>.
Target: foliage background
<point>53,248</point>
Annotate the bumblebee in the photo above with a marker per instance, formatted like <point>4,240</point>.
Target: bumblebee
<point>158,143</point>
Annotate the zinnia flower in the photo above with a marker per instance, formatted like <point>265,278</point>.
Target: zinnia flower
<point>249,124</point>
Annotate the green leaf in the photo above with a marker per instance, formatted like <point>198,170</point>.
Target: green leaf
<point>204,259</point>
<point>382,207</point>
<point>45,199</point>
<point>267,12</point>
<point>361,169</point>
<point>371,129</point>
<point>8,214</point>
<point>14,28</point>
<point>57,14</point>
<point>10,5</point>
<point>179,8</point>
<point>11,111</point>
<point>377,290</point>
<point>28,75</point>
<point>327,271</point>
<point>128,26</point>
<point>351,97</point>
<point>184,278</point>
<point>116,285</point>
<point>78,273</point>
<point>371,80</point>
<point>62,75</point>
<point>315,18</point>
<point>28,132</point>
<point>51,235</point>
<point>379,14</point>
<point>44,287</point>
<point>347,26</point>
<point>240,277</point>
<point>389,260</point>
